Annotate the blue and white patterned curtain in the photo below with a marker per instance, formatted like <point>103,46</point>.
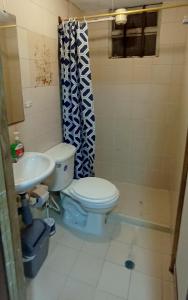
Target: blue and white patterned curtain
<point>78,120</point>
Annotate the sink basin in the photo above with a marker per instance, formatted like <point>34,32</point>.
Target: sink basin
<point>31,169</point>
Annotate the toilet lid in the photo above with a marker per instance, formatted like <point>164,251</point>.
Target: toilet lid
<point>94,189</point>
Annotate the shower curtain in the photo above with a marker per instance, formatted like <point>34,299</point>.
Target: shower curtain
<point>78,120</point>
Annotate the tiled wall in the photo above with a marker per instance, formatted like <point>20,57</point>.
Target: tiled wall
<point>37,38</point>
<point>136,104</point>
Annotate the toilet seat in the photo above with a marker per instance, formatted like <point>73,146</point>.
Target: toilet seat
<point>94,188</point>
<point>93,192</point>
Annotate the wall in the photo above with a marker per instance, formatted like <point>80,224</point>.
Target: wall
<point>136,104</point>
<point>182,126</point>
<point>181,262</point>
<point>37,38</point>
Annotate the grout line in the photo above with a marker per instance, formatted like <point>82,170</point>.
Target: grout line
<point>68,276</point>
<point>139,246</point>
<point>99,277</point>
<point>130,280</point>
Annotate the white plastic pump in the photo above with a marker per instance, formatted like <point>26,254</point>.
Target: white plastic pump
<point>16,135</point>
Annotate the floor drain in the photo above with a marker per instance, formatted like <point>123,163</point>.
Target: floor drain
<point>129,264</point>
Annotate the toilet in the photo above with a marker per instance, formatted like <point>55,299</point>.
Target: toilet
<point>86,202</point>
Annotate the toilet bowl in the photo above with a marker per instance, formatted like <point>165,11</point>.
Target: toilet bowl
<point>86,202</point>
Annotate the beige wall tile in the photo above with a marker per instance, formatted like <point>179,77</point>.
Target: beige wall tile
<point>177,74</point>
<point>166,34</point>
<point>25,65</point>
<point>140,97</point>
<point>1,4</point>
<point>165,55</point>
<point>23,43</point>
<point>142,73</point>
<point>37,34</point>
<point>174,15</point>
<point>161,74</point>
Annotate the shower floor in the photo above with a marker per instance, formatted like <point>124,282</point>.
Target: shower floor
<point>146,205</point>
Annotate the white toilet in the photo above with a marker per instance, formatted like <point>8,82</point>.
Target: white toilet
<point>87,201</point>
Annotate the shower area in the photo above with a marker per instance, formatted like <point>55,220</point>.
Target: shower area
<point>140,119</point>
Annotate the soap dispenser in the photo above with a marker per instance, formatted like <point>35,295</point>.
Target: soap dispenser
<point>17,148</point>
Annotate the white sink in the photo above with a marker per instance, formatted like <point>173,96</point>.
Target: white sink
<point>31,169</point>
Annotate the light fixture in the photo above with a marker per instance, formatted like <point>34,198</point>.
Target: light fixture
<point>121,18</point>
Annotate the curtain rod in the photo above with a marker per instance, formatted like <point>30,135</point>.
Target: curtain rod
<point>128,12</point>
<point>7,26</point>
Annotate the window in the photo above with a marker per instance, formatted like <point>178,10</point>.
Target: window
<point>138,37</point>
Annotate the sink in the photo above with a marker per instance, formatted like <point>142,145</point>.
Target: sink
<point>31,169</point>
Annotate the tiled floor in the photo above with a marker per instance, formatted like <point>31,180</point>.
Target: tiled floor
<point>85,268</point>
<point>144,203</point>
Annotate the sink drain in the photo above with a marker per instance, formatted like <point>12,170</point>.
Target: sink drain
<point>129,264</point>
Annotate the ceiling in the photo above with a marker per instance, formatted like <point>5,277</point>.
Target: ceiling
<point>94,5</point>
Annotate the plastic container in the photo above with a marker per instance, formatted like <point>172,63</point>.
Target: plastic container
<point>17,148</point>
<point>35,244</point>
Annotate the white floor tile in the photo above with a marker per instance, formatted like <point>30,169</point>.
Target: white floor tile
<point>129,206</point>
<point>96,248</point>
<point>58,235</point>
<point>62,259</point>
<point>144,203</point>
<point>115,280</point>
<point>76,290</point>
<point>113,228</point>
<point>154,240</point>
<point>101,295</point>
<point>52,246</point>
<point>118,252</point>
<point>54,239</point>
<point>71,240</point>
<point>167,240</point>
<point>46,286</point>
<point>127,234</point>
<point>87,268</point>
<point>148,262</point>
<point>169,291</point>
<point>145,287</point>
<point>167,275</point>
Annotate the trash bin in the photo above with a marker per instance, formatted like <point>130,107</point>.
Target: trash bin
<point>35,243</point>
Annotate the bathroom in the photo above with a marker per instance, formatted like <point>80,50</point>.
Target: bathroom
<point>141,113</point>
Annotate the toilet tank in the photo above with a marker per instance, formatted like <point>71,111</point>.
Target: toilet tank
<point>63,155</point>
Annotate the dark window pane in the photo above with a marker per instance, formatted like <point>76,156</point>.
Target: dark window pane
<point>151,19</point>
<point>134,21</point>
<point>118,47</point>
<point>116,26</point>
<point>150,44</point>
<point>133,38</point>
<point>133,46</point>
